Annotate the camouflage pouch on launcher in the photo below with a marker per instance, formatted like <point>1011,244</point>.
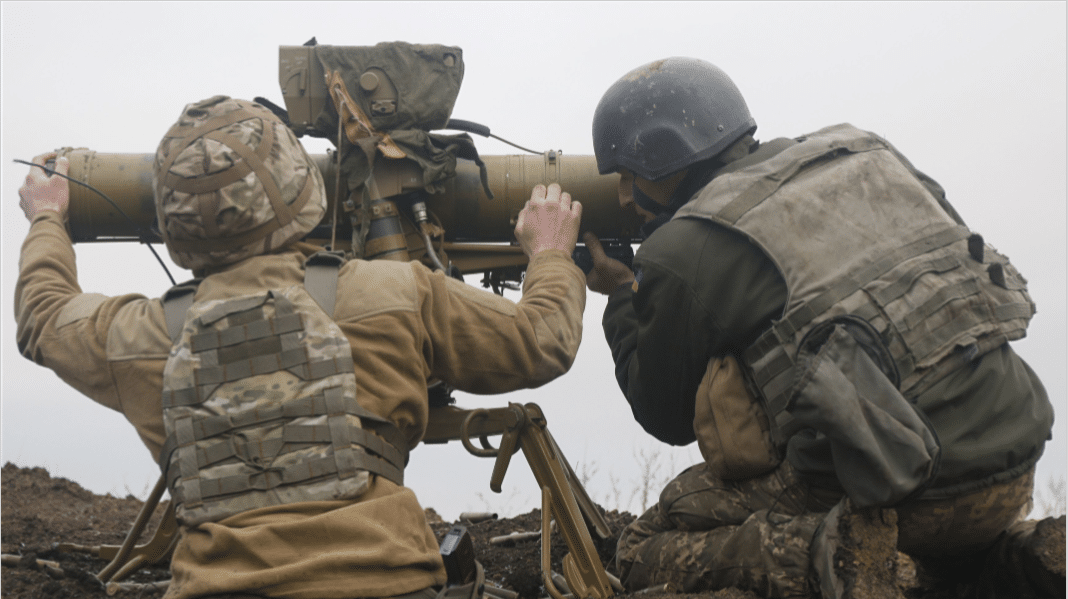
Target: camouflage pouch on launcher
<point>389,97</point>
<point>259,406</point>
<point>426,77</point>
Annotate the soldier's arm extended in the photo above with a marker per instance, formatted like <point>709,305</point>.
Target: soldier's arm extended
<point>59,326</point>
<point>483,343</point>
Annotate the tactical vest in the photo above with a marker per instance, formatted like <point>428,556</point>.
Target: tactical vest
<point>853,230</point>
<point>259,403</point>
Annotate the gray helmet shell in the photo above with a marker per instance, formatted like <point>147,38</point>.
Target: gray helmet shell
<point>666,115</point>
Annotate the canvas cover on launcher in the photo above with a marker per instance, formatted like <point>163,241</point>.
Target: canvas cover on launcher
<point>426,77</point>
<point>389,97</point>
<point>259,405</point>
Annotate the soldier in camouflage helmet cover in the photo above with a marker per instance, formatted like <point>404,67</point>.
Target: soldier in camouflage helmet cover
<point>815,314</point>
<point>271,510</point>
<point>211,174</point>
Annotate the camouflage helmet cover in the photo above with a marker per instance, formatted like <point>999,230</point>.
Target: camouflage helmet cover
<point>231,181</point>
<point>664,116</point>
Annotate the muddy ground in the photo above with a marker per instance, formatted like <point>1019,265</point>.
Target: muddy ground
<point>39,511</point>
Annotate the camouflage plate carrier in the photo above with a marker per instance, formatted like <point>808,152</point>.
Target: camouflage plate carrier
<point>259,403</point>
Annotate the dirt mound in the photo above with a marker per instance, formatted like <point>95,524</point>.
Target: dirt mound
<point>39,511</point>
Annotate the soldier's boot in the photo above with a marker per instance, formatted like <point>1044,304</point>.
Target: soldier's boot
<point>1027,561</point>
<point>854,553</point>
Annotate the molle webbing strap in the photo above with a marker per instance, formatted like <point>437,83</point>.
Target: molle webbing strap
<point>919,314</point>
<point>263,356</point>
<point>264,451</point>
<point>387,441</point>
<point>1014,311</point>
<point>966,320</point>
<point>774,377</point>
<point>260,232</point>
<point>784,330</point>
<point>246,332</point>
<point>251,346</point>
<point>321,433</point>
<point>782,362</point>
<point>337,433</point>
<point>294,361</point>
<point>187,464</point>
<point>241,305</point>
<point>906,281</point>
<point>271,478</point>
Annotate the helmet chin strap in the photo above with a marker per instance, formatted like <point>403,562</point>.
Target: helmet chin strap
<point>648,228</point>
<point>646,202</point>
<point>696,178</point>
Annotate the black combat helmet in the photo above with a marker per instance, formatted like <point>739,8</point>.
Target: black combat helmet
<point>664,116</point>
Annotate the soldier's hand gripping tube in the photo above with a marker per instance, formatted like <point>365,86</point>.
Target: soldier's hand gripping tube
<point>616,251</point>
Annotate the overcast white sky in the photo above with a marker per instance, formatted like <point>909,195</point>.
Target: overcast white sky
<point>972,93</point>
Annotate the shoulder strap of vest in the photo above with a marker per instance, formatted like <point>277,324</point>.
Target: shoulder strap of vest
<point>801,156</point>
<point>176,302</point>
<point>765,151</point>
<point>320,278</point>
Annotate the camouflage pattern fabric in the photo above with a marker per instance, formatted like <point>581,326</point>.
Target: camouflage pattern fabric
<point>427,593</point>
<point>983,532</point>
<point>427,78</point>
<point>259,405</point>
<point>114,350</point>
<point>707,534</point>
<point>966,524</point>
<point>226,191</point>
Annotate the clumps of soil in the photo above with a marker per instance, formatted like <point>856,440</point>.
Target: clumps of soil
<point>517,566</point>
<point>39,512</point>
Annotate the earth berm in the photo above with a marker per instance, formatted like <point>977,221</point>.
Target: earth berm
<point>39,511</point>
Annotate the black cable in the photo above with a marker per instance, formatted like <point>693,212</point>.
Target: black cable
<point>513,145</point>
<point>140,233</point>
<point>484,131</point>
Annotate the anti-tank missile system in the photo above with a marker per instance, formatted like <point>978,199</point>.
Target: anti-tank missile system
<point>476,230</point>
<point>398,190</point>
<point>406,192</point>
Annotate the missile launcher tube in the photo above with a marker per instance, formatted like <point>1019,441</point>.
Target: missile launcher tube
<point>463,210</point>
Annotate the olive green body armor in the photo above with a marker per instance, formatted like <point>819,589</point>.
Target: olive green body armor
<point>853,230</point>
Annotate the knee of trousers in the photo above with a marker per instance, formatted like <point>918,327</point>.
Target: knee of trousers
<point>963,524</point>
<point>767,554</point>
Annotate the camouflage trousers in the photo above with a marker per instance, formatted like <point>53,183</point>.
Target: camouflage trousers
<point>754,534</point>
<point>427,593</point>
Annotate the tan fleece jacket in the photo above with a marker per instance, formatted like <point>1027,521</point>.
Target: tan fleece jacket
<point>406,326</point>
